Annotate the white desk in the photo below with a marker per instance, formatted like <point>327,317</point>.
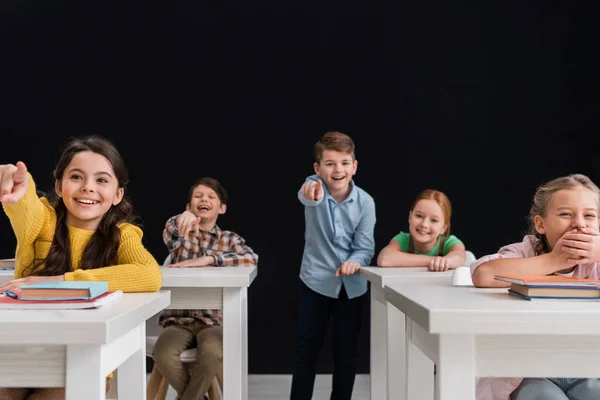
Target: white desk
<point>77,349</point>
<point>473,333</point>
<point>387,331</point>
<point>223,288</point>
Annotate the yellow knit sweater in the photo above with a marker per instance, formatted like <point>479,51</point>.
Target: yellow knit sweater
<point>34,221</point>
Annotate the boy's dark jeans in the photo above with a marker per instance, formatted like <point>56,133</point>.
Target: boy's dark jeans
<point>314,311</point>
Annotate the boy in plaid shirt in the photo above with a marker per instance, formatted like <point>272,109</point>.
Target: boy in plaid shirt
<point>195,240</point>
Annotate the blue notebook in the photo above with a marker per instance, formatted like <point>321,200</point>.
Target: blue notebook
<point>71,290</point>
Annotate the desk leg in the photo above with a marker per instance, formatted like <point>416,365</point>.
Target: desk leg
<point>396,377</point>
<point>378,346</point>
<point>456,370</point>
<point>235,343</point>
<point>132,373</point>
<point>418,369</point>
<point>84,378</point>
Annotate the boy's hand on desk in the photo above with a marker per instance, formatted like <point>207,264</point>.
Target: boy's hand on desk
<point>582,246</point>
<point>313,191</point>
<point>203,261</point>
<point>13,182</point>
<point>347,268</point>
<point>30,280</point>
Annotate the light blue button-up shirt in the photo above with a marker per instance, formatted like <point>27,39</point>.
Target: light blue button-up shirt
<point>335,233</point>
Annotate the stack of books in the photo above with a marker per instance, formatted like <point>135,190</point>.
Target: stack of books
<point>552,287</point>
<point>59,295</point>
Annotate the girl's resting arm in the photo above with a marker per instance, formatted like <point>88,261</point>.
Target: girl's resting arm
<point>393,256</point>
<point>456,256</point>
<point>483,274</point>
<point>512,259</point>
<point>137,270</point>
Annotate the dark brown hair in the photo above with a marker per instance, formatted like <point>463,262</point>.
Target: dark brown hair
<point>336,141</point>
<point>101,250</point>
<point>214,185</point>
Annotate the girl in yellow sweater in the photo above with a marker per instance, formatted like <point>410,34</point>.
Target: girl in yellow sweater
<point>81,231</point>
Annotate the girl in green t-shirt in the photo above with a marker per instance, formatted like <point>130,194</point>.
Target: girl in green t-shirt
<point>428,243</point>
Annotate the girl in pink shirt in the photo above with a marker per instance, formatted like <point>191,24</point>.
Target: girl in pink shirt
<point>564,239</point>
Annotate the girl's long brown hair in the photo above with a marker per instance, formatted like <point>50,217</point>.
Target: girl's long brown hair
<point>101,250</point>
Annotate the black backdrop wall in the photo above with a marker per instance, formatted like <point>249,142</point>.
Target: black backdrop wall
<point>484,103</point>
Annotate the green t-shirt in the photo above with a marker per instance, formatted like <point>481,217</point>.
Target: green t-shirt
<point>403,239</point>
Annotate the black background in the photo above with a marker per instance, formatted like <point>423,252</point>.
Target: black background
<point>482,102</point>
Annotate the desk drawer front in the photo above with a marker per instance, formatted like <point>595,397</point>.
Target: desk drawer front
<point>183,298</point>
<point>32,366</point>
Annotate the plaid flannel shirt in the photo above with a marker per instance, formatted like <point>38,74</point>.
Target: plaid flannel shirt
<point>228,248</point>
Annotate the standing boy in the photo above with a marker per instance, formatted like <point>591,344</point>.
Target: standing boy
<point>340,220</point>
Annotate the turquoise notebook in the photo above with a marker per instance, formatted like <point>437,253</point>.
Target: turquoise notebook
<point>70,290</point>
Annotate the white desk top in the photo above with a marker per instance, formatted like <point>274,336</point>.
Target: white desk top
<point>442,308</point>
<point>192,277</point>
<point>208,277</point>
<point>384,276</point>
<point>99,325</point>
